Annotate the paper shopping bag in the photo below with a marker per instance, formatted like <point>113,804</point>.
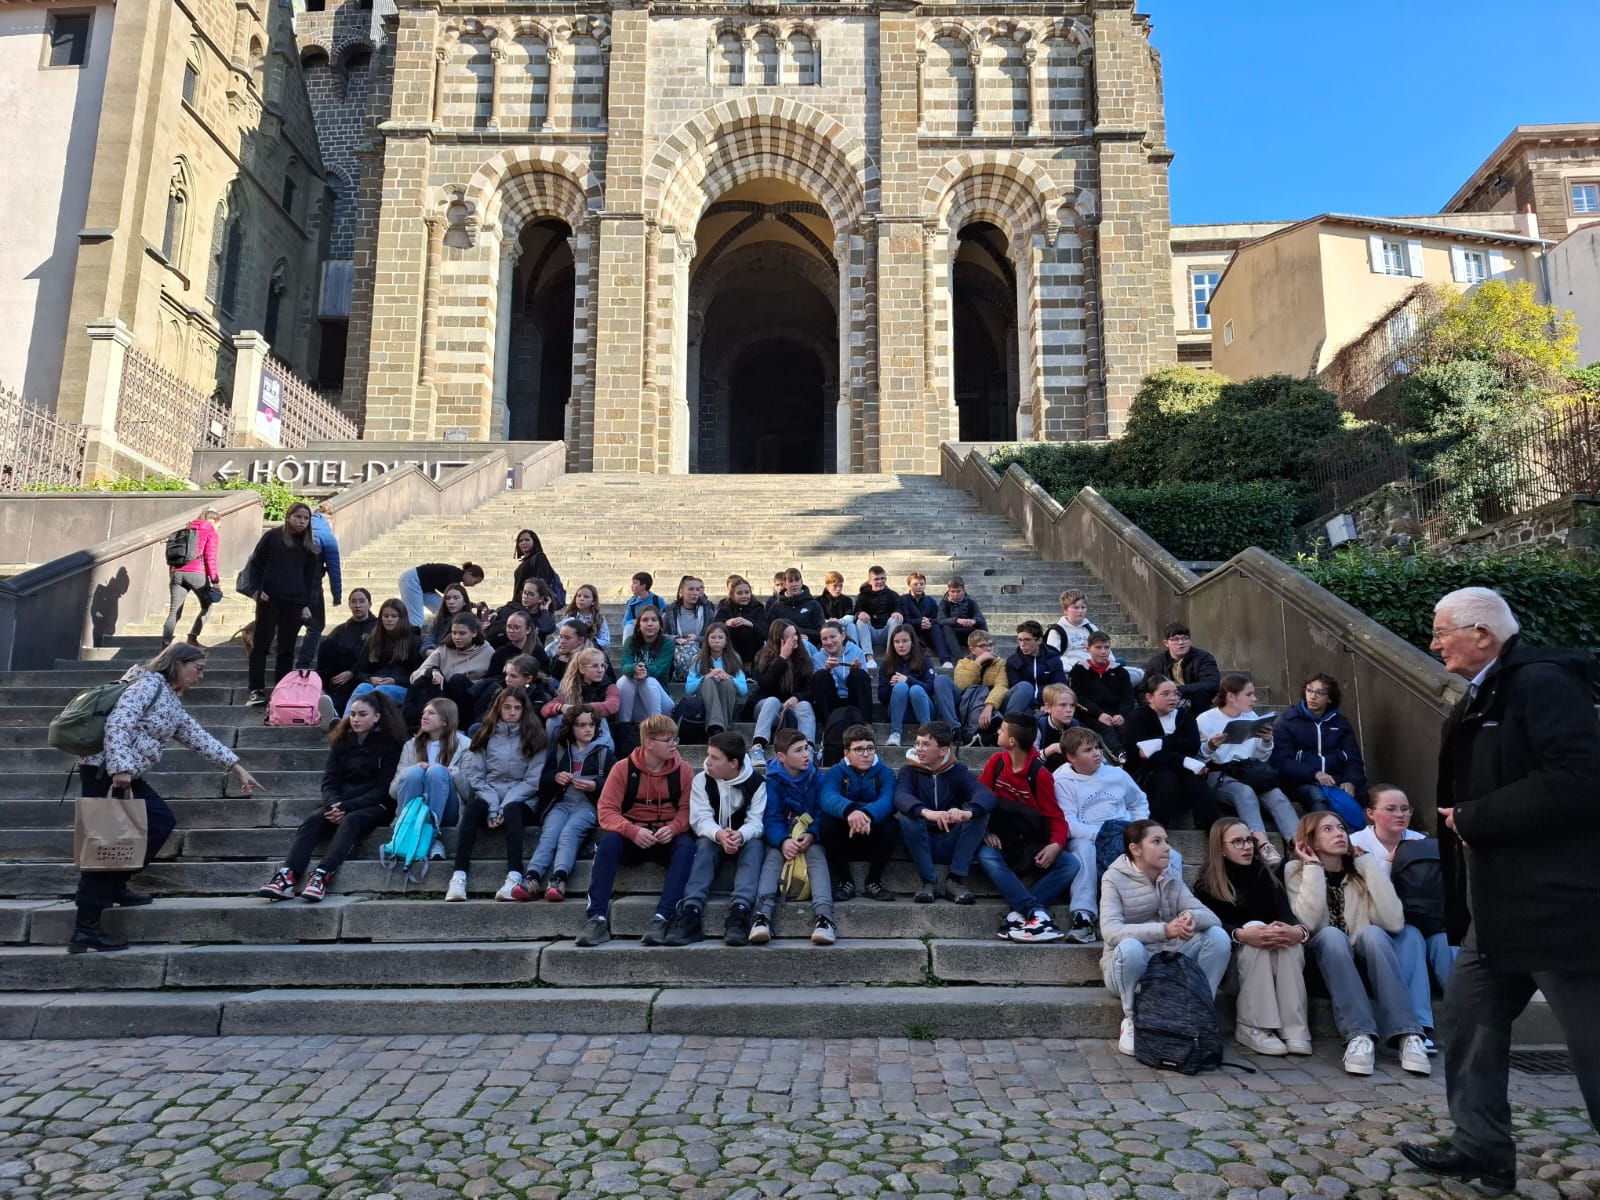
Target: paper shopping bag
<point>110,833</point>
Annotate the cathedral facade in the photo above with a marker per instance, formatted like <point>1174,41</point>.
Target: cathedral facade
<point>700,237</point>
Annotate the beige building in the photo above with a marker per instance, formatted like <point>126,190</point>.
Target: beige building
<point>1573,267</point>
<point>705,238</point>
<point>1200,254</point>
<point>1289,302</point>
<point>1552,171</point>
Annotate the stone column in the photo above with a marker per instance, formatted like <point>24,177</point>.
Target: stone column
<point>250,351</point>
<point>556,86</point>
<point>846,254</point>
<point>922,87</point>
<point>1036,90</point>
<point>427,391</point>
<point>746,57</point>
<point>678,368</point>
<point>783,58</point>
<point>695,335</point>
<point>500,413</point>
<point>441,64</point>
<point>109,343</point>
<point>497,71</point>
<point>976,60</point>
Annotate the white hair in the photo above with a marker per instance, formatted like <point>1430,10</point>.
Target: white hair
<point>1479,606</point>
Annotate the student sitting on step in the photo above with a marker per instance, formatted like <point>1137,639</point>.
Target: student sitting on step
<point>1104,690</point>
<point>686,620</point>
<point>340,651</point>
<point>717,678</point>
<point>727,807</point>
<point>363,756</point>
<point>745,617</point>
<point>959,613</point>
<point>644,817</point>
<point>836,606</point>
<point>980,683</point>
<point>428,763</point>
<point>569,639</point>
<point>450,669</point>
<point>783,686</point>
<point>1057,715</point>
<point>499,782</point>
<point>944,813</point>
<point>1194,670</point>
<point>1069,637</point>
<point>797,606</point>
<point>877,614</point>
<point>1099,801</point>
<point>1030,670</point>
<point>520,643</point>
<point>858,822</point>
<point>906,680</point>
<point>389,656</point>
<point>1163,744</point>
<point>1027,835</point>
<point>921,613</point>
<point>454,602</point>
<point>534,605</point>
<point>645,679</point>
<point>520,671</point>
<point>575,767</point>
<point>1240,776</point>
<point>588,681</point>
<point>421,586</point>
<point>794,794</point>
<point>639,597</point>
<point>840,675</point>
<point>585,608</point>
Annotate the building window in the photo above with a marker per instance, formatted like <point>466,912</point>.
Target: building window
<point>1201,285</point>
<point>288,195</point>
<point>191,82</point>
<point>1227,334</point>
<point>1394,258</point>
<point>1474,266</point>
<point>1586,197</point>
<point>68,38</point>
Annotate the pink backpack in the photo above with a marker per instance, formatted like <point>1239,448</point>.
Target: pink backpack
<point>294,699</point>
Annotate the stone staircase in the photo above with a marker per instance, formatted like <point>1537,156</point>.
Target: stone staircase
<point>210,957</point>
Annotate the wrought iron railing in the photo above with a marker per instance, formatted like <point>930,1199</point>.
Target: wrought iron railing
<point>161,417</point>
<point>307,416</point>
<point>37,447</point>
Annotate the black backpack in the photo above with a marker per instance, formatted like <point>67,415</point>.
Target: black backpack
<point>1175,1017</point>
<point>183,546</point>
<point>691,718</point>
<point>1419,882</point>
<point>839,720</point>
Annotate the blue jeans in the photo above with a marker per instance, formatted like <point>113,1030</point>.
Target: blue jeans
<point>436,785</point>
<point>1021,699</point>
<point>418,604</point>
<point>870,638</point>
<point>914,694</point>
<point>566,824</point>
<point>1248,803</point>
<point>1411,950</point>
<point>1343,962</point>
<point>956,847</point>
<point>1441,957</point>
<point>946,700</point>
<point>642,698</point>
<point>615,850</point>
<point>1210,949</point>
<point>392,690</point>
<point>1045,889</point>
<point>768,709</point>
<point>708,856</point>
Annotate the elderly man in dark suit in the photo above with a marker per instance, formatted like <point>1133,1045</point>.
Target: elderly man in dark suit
<point>1519,831</point>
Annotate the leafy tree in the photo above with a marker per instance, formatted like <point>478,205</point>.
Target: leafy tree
<point>1502,324</point>
<point>1168,408</point>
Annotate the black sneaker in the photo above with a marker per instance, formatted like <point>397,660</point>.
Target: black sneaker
<point>1010,921</point>
<point>824,932</point>
<point>127,899</point>
<point>957,892</point>
<point>91,937</point>
<point>736,929</point>
<point>656,935</point>
<point>257,698</point>
<point>760,930</point>
<point>595,931</point>
<point>844,890</point>
<point>1083,930</point>
<point>924,894</point>
<point>877,891</point>
<point>685,928</point>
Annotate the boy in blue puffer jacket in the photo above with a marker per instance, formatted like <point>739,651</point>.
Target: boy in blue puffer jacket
<point>858,815</point>
<point>794,790</point>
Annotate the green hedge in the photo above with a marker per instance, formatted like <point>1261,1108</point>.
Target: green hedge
<point>1556,596</point>
<point>1061,468</point>
<point>275,497</point>
<point>1212,521</point>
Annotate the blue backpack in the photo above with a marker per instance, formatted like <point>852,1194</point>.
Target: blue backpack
<point>411,841</point>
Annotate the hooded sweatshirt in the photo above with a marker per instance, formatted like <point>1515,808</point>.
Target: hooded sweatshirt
<point>654,808</point>
<point>878,605</point>
<point>499,774</point>
<point>789,797</point>
<point>472,662</point>
<point>946,786</point>
<point>1089,801</point>
<point>802,611</point>
<point>846,790</point>
<point>713,802</point>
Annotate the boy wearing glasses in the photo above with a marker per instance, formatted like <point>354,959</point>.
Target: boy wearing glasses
<point>1194,670</point>
<point>644,817</point>
<point>857,821</point>
<point>727,807</point>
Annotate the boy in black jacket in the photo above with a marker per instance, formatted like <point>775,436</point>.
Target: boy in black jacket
<point>1105,692</point>
<point>1194,670</point>
<point>877,614</point>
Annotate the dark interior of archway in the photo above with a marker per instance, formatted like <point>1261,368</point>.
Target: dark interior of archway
<point>777,409</point>
<point>983,311</point>
<point>539,381</point>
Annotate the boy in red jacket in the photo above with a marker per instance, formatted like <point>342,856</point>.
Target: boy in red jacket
<point>644,817</point>
<point>1027,835</point>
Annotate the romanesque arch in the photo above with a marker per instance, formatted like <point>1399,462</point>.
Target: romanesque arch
<point>528,177</point>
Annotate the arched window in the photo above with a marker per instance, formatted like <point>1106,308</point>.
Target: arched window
<point>803,53</point>
<point>191,76</point>
<point>766,60</point>
<point>219,234</point>
<point>947,87</point>
<point>730,60</point>
<point>174,231</point>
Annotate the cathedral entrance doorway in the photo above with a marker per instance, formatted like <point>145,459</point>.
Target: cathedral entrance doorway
<point>764,334</point>
<point>983,288</point>
<point>539,372</point>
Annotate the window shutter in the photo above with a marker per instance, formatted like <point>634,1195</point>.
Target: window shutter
<point>1497,264</point>
<point>1375,253</point>
<point>1458,265</point>
<point>1414,258</point>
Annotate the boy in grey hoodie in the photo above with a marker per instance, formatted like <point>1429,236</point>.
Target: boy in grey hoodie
<point>727,805</point>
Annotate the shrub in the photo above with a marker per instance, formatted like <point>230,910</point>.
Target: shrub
<point>1213,520</point>
<point>1171,405</point>
<point>275,497</point>
<point>1555,595</point>
<point>1060,468</point>
<point>1265,428</point>
<point>122,483</point>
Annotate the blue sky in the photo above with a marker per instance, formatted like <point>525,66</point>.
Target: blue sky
<point>1280,109</point>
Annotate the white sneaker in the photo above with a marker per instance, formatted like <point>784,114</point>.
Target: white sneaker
<point>948,665</point>
<point>892,740</point>
<point>1414,1056</point>
<point>1125,1038</point>
<point>871,664</point>
<point>1259,1041</point>
<point>758,754</point>
<point>458,887</point>
<point>326,711</point>
<point>1359,1055</point>
<point>1297,1045</point>
<point>513,880</point>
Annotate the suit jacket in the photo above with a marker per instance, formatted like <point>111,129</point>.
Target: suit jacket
<point>1520,763</point>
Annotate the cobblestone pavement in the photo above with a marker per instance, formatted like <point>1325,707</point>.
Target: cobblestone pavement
<point>574,1117</point>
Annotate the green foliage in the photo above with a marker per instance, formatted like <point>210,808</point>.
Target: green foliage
<point>1211,521</point>
<point>1060,468</point>
<point>1503,325</point>
<point>122,483</point>
<point>1555,595</point>
<point>1170,406</point>
<point>1264,428</point>
<point>275,497</point>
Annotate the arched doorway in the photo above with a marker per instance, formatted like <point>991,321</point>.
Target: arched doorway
<point>539,371</point>
<point>983,287</point>
<point>764,351</point>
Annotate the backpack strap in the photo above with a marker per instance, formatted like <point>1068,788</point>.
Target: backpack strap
<point>630,796</point>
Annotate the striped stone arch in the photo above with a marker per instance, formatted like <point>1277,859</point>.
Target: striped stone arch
<point>950,27</point>
<point>1001,186</point>
<point>530,182</point>
<point>760,137</point>
<point>1069,29</point>
<point>513,27</point>
<point>1005,28</point>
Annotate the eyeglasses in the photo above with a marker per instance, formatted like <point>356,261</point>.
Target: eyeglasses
<point>1438,634</point>
<point>1318,692</point>
<point>1241,843</point>
<point>868,749</point>
<point>664,741</point>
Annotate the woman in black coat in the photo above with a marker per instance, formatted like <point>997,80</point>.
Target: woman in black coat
<point>1163,748</point>
<point>745,617</point>
<point>363,755</point>
<point>286,568</point>
<point>340,651</point>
